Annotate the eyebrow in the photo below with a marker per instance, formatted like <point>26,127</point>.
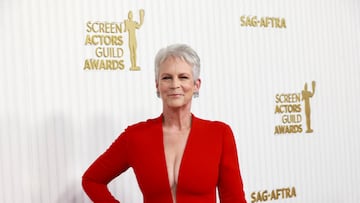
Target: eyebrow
<point>188,74</point>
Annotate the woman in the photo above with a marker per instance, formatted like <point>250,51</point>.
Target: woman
<point>177,157</point>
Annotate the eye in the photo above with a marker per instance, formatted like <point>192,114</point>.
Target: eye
<point>166,78</point>
<point>184,77</point>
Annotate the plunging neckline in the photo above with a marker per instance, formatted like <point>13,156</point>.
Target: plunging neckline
<point>184,154</point>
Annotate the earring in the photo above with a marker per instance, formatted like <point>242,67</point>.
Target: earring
<point>158,94</point>
<point>196,94</point>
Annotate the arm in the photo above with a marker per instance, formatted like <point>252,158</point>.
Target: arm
<point>230,184</point>
<point>105,168</point>
<point>313,87</point>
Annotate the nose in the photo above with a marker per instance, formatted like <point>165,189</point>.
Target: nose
<point>175,83</point>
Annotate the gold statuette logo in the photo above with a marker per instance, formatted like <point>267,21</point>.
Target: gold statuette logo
<point>130,27</point>
<point>291,107</point>
<point>306,95</point>
<point>108,41</point>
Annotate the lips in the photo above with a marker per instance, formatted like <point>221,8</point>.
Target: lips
<point>175,95</point>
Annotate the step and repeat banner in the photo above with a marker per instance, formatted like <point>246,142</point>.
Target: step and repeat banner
<point>283,74</point>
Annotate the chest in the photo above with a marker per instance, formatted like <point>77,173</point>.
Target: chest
<point>188,161</point>
<point>174,147</point>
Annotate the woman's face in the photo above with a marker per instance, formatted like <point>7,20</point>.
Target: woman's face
<point>176,83</point>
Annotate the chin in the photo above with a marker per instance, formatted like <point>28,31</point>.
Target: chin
<point>176,104</point>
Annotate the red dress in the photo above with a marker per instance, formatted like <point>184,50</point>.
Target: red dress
<point>210,160</point>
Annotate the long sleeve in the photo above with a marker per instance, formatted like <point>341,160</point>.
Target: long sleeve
<point>209,161</point>
<point>105,168</point>
<point>230,184</point>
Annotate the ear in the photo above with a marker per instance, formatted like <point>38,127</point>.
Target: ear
<point>197,85</point>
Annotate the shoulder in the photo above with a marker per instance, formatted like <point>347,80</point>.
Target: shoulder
<point>212,126</point>
<point>214,133</point>
<point>211,123</point>
<point>144,125</point>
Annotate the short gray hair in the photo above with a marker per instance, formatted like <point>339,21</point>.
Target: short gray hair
<point>181,51</point>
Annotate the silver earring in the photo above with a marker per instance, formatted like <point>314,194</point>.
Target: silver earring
<point>158,94</point>
<point>196,94</point>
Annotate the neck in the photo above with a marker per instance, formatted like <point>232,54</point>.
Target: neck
<point>177,119</point>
